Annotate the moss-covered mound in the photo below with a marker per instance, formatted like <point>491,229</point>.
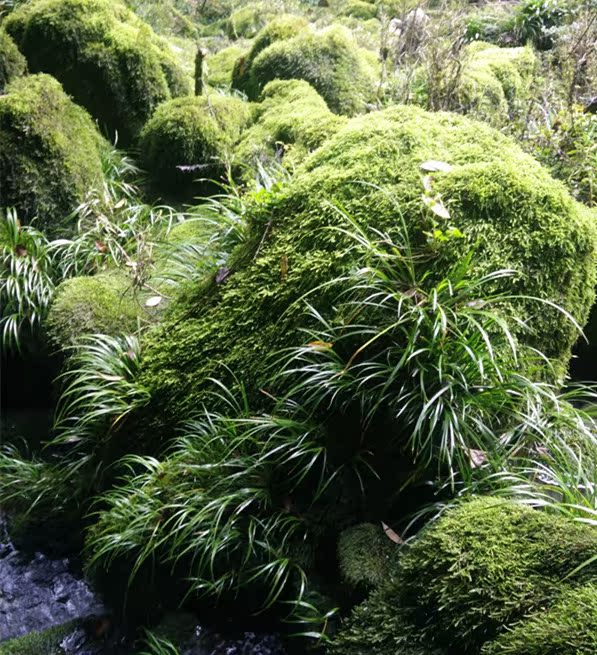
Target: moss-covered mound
<point>567,628</point>
<point>38,643</point>
<point>247,20</point>
<point>465,580</point>
<point>107,59</point>
<point>101,304</point>
<point>359,9</point>
<point>221,64</point>
<point>189,139</point>
<point>495,78</point>
<point>50,153</point>
<point>291,121</point>
<point>488,564</point>
<point>279,29</point>
<point>506,205</point>
<point>12,62</point>
<point>330,61</point>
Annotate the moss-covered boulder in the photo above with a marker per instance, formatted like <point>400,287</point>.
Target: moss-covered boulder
<point>189,139</point>
<point>12,62</point>
<point>505,204</point>
<point>484,578</point>
<point>569,627</point>
<point>107,58</point>
<point>289,122</point>
<point>494,79</point>
<point>221,64</point>
<point>247,20</point>
<point>280,29</point>
<point>486,565</point>
<point>50,153</point>
<point>100,304</point>
<point>330,61</point>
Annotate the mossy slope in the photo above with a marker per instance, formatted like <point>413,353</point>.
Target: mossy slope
<point>108,59</point>
<point>50,153</point>
<point>12,62</point>
<point>507,206</point>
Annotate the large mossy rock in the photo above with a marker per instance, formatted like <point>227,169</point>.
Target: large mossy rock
<point>483,567</point>
<point>189,139</point>
<point>567,628</point>
<point>50,153</point>
<point>12,62</point>
<point>280,29</point>
<point>506,205</point>
<point>290,122</point>
<point>330,61</point>
<point>107,59</point>
<point>101,304</point>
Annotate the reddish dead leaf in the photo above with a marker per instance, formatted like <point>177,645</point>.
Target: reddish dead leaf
<point>391,534</point>
<point>101,246</point>
<point>21,251</point>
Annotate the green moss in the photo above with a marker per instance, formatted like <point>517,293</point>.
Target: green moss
<point>495,78</point>
<point>465,579</point>
<point>486,565</point>
<point>246,21</point>
<point>108,59</point>
<point>291,120</point>
<point>567,628</point>
<point>507,206</point>
<point>12,62</point>
<point>38,643</point>
<point>221,64</point>
<point>280,29</point>
<point>50,153</point>
<point>359,9</point>
<point>330,61</point>
<point>101,304</point>
<point>366,555</point>
<point>194,132</point>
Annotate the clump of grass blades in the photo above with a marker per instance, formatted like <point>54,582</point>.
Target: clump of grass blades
<point>222,506</point>
<point>154,645</point>
<point>27,280</point>
<point>440,355</point>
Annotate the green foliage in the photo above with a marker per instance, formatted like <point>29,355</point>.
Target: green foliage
<point>38,643</point>
<point>493,23</point>
<point>366,555</point>
<point>50,154</point>
<point>12,62</point>
<point>481,568</point>
<point>291,121</point>
<point>507,207</point>
<point>359,9</point>
<point>249,19</point>
<point>495,79</point>
<point>221,64</point>
<point>486,565</point>
<point>109,60</point>
<point>279,29</point>
<point>191,138</point>
<point>569,627</point>
<point>535,20</point>
<point>101,304</point>
<point>330,61</point>
<point>26,281</point>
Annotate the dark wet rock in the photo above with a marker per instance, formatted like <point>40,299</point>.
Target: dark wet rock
<point>37,592</point>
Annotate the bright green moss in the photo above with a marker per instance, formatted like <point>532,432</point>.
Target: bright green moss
<point>291,121</point>
<point>481,568</point>
<point>246,21</point>
<point>366,555</point>
<point>486,565</point>
<point>221,64</point>
<point>567,628</point>
<point>494,78</point>
<point>196,133</point>
<point>507,206</point>
<point>108,59</point>
<point>50,153</point>
<point>280,29</point>
<point>330,61</point>
<point>12,62</point>
<point>359,9</point>
<point>38,643</point>
<point>101,304</point>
